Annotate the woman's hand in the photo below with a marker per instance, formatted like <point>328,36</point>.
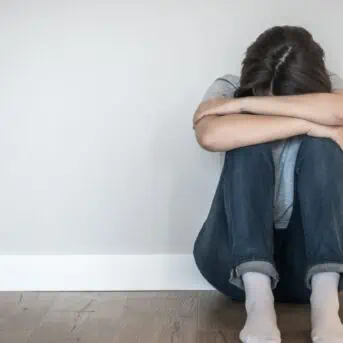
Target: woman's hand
<point>217,107</point>
<point>333,132</point>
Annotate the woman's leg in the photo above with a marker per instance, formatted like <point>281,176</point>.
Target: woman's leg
<point>236,241</point>
<point>290,259</point>
<point>319,173</point>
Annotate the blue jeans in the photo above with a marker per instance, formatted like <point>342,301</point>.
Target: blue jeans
<point>239,236</point>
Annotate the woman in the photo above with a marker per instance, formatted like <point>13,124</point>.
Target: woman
<point>275,227</point>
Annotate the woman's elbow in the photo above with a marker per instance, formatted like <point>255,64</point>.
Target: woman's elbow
<point>208,140</point>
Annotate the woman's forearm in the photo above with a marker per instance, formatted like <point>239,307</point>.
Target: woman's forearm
<point>224,133</point>
<point>321,108</point>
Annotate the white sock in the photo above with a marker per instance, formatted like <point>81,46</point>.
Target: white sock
<point>261,325</point>
<point>326,324</point>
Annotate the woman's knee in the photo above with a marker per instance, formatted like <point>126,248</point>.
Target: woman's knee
<point>320,157</point>
<point>251,156</point>
<point>315,148</point>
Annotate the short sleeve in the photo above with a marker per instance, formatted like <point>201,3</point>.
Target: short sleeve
<point>223,87</point>
<point>336,82</point>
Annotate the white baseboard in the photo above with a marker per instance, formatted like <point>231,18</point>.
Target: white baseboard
<point>99,273</point>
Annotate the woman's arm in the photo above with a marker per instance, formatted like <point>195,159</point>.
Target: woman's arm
<point>223,133</point>
<point>320,108</point>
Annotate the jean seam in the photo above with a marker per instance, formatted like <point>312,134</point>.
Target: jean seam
<point>235,275</point>
<point>324,261</point>
<point>242,260</point>
<point>228,209</point>
<point>332,266</point>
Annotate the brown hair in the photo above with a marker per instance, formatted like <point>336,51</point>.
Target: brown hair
<point>284,60</point>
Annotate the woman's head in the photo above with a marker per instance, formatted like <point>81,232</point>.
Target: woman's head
<point>284,60</point>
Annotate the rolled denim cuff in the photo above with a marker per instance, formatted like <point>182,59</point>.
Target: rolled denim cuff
<point>262,267</point>
<point>324,268</point>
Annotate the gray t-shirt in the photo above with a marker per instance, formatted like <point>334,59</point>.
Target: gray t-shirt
<point>284,152</point>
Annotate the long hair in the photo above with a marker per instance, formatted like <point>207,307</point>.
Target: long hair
<point>284,60</point>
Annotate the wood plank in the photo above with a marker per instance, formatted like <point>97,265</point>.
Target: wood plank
<point>294,323</point>
<point>135,317</point>
<point>14,336</point>
<point>24,311</point>
<point>220,319</point>
<point>80,317</point>
<point>159,318</point>
<point>188,316</point>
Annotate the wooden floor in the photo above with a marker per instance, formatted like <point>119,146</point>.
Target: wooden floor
<point>133,317</point>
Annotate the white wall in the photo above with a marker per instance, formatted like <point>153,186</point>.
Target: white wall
<point>97,153</point>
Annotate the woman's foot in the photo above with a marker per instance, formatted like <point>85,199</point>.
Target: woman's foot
<point>261,323</point>
<point>326,324</point>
